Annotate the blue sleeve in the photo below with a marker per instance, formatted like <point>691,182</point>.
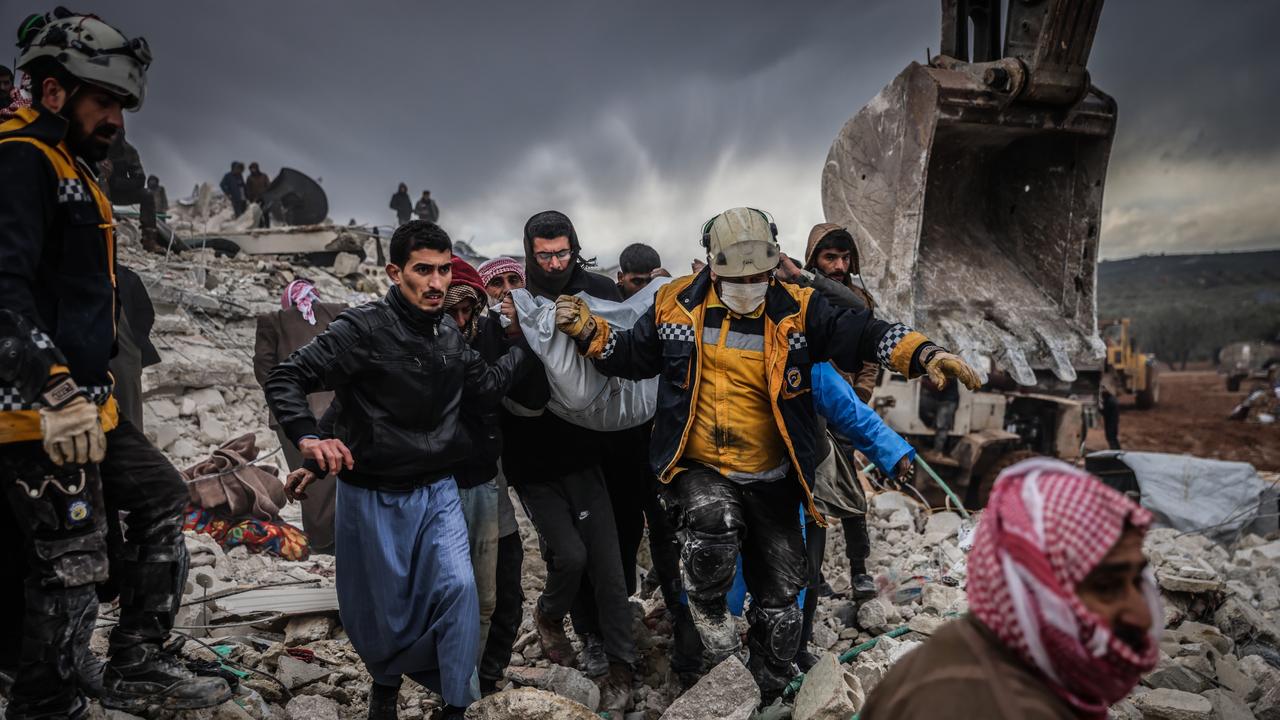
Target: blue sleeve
<point>835,400</point>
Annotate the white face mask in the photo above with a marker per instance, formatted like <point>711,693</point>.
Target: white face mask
<point>743,298</point>
<point>503,320</point>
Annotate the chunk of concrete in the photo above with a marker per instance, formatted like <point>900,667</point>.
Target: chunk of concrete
<point>1194,632</point>
<point>312,707</point>
<point>942,526</point>
<point>1231,677</point>
<point>1226,706</point>
<point>1178,677</point>
<point>528,704</point>
<point>829,692</point>
<point>295,673</point>
<point>345,263</point>
<point>728,692</point>
<point>1241,621</point>
<point>307,629</point>
<point>1167,704</point>
<point>1268,706</point>
<point>561,680</point>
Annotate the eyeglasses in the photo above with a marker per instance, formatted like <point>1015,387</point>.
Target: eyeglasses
<point>546,257</point>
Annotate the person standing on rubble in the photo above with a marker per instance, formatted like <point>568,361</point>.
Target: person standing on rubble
<point>1064,614</point>
<point>500,276</point>
<point>158,195</point>
<point>255,186</point>
<point>735,427</point>
<point>1109,409</point>
<point>232,186</point>
<point>426,209</point>
<point>555,467</point>
<point>401,203</point>
<point>301,317</point>
<point>63,443</point>
<point>406,589</point>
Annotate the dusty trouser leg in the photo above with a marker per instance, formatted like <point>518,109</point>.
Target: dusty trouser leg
<point>815,546</point>
<point>480,509</point>
<point>507,613</point>
<point>664,548</point>
<point>152,570</point>
<point>711,529</point>
<point>774,566</point>
<point>59,512</point>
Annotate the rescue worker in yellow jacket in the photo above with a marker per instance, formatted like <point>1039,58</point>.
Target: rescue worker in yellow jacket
<point>735,428</point>
<point>63,442</point>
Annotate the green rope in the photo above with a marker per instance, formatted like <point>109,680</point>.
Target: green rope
<point>794,686</point>
<point>945,488</point>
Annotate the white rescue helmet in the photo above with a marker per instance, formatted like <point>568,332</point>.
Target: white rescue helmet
<point>741,242</point>
<point>92,51</point>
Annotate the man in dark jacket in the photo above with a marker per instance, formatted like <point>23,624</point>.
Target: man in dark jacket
<point>400,377</point>
<point>426,209</point>
<point>64,446</point>
<point>300,318</point>
<point>158,195</point>
<point>401,203</point>
<point>256,184</point>
<point>735,429</point>
<point>564,491</point>
<point>232,186</point>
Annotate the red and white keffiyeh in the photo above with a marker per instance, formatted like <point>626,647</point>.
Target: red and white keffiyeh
<point>300,294</point>
<point>1045,528</point>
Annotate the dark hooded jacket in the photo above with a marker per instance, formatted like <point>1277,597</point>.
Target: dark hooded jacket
<point>543,446</point>
<point>864,379</point>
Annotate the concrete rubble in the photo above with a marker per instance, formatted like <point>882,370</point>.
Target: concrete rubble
<point>1220,655</point>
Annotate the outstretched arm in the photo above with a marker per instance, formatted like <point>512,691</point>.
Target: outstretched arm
<point>836,401</point>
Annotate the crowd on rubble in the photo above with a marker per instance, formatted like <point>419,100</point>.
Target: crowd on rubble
<point>404,421</point>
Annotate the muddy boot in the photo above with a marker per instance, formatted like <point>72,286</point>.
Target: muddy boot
<point>592,660</point>
<point>143,680</point>
<point>452,712</point>
<point>555,644</point>
<point>382,701</point>
<point>863,587</point>
<point>806,660</point>
<point>615,692</point>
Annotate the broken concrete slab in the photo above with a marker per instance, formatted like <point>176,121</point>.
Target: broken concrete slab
<point>1178,677</point>
<point>728,692</point>
<point>1167,704</point>
<point>528,704</point>
<point>307,629</point>
<point>295,673</point>
<point>312,707</point>
<point>829,692</point>
<point>561,680</point>
<point>1226,706</point>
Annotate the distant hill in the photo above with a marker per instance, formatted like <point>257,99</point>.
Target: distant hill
<point>1185,307</point>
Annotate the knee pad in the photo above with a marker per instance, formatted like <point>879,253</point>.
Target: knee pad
<point>709,561</point>
<point>776,630</point>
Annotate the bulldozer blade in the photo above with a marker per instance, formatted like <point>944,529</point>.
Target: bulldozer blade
<point>977,216</point>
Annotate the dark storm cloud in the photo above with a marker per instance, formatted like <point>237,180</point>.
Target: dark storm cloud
<point>641,119</point>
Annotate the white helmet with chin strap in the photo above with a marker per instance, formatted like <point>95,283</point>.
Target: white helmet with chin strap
<point>90,50</point>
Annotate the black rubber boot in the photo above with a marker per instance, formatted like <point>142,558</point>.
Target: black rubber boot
<point>592,660</point>
<point>382,701</point>
<point>142,680</point>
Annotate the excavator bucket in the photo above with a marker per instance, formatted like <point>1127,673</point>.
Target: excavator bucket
<point>974,192</point>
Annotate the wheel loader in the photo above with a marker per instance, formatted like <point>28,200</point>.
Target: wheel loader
<point>1129,372</point>
<point>973,187</point>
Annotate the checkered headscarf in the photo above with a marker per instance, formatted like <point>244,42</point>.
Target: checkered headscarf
<point>498,266</point>
<point>1046,527</point>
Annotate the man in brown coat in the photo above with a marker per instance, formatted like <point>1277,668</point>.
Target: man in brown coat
<point>302,317</point>
<point>256,184</point>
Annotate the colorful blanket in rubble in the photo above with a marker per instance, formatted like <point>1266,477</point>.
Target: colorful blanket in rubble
<point>276,537</point>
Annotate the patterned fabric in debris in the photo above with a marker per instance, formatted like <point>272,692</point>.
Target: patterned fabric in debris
<point>276,537</point>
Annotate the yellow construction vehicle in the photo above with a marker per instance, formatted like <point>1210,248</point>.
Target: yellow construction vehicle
<point>1129,372</point>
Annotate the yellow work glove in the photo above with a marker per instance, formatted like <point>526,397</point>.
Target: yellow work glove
<point>72,433</point>
<point>942,365</point>
<point>573,317</point>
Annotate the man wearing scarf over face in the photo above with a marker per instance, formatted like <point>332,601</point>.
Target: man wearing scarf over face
<point>1064,610</point>
<point>555,467</point>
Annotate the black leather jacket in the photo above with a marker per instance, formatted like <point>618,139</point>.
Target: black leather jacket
<point>399,376</point>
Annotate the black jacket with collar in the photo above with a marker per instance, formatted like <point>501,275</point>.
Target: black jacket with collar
<point>400,377</point>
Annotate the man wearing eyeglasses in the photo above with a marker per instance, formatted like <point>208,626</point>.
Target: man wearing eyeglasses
<point>63,442</point>
<point>555,466</point>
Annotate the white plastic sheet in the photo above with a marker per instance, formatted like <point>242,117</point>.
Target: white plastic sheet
<point>579,393</point>
<point>1189,493</point>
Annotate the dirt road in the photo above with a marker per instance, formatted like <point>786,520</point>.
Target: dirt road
<point>1191,418</point>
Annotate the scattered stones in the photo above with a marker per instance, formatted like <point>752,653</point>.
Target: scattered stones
<point>307,629</point>
<point>873,616</point>
<point>1227,706</point>
<point>1166,704</point>
<point>829,692</point>
<point>728,692</point>
<point>1268,706</point>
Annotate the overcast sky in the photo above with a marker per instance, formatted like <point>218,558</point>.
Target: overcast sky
<point>642,119</point>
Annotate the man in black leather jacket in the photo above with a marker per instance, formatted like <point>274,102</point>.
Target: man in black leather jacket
<point>399,371</point>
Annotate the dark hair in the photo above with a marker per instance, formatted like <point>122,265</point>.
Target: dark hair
<point>550,225</point>
<point>416,235</point>
<point>5,72</point>
<point>639,258</point>
<point>43,68</point>
<point>835,240</point>
<point>236,164</point>
<point>153,177</point>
